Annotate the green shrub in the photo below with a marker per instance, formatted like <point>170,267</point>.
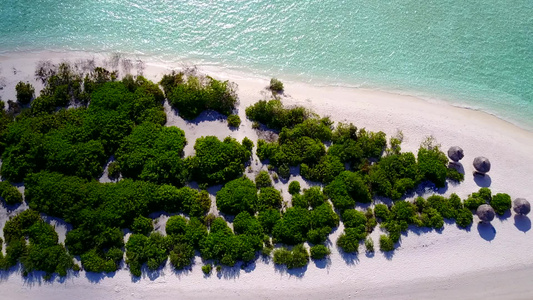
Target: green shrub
<point>318,235</point>
<point>25,92</point>
<point>181,256</point>
<point>207,269</point>
<point>432,165</point>
<point>369,245</point>
<point>324,171</point>
<point>483,196</point>
<point>347,189</point>
<point>274,115</point>
<point>217,161</point>
<point>248,144</point>
<point>195,95</point>
<point>464,217</point>
<point>394,175</point>
<point>293,227</point>
<point>454,175</point>
<point>501,203</point>
<point>382,212</point>
<point>298,257</point>
<point>276,85</point>
<point>236,196</point>
<point>10,194</point>
<point>113,169</point>
<point>294,187</point>
<point>176,225</point>
<point>443,205</point>
<point>268,219</point>
<point>234,121</point>
<point>319,252</point>
<point>269,197</point>
<point>354,219</point>
<point>244,223</point>
<point>142,225</point>
<point>349,240</point>
<point>141,249</point>
<point>263,180</point>
<point>385,243</point>
<point>284,171</point>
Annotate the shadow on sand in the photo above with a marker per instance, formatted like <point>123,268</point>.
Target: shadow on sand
<point>522,223</point>
<point>486,231</point>
<point>482,180</point>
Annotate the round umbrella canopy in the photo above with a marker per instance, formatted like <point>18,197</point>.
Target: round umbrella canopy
<point>482,164</point>
<point>485,213</point>
<point>455,153</point>
<point>521,206</point>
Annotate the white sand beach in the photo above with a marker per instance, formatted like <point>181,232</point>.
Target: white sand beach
<point>488,261</point>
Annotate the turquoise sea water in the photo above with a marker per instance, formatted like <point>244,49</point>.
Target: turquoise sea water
<point>473,53</point>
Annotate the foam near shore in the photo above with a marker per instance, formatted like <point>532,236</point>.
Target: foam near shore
<point>486,261</point>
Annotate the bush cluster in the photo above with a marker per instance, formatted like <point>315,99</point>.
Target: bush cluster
<point>10,194</point>
<point>195,94</point>
<point>25,92</point>
<point>298,257</point>
<point>275,116</point>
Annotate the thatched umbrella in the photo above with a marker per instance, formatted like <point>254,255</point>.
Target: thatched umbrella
<point>521,206</point>
<point>485,213</point>
<point>455,153</point>
<point>482,164</point>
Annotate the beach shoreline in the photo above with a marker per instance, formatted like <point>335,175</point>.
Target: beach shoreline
<point>436,260</point>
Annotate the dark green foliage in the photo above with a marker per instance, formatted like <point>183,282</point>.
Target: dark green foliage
<point>236,196</point>
<point>394,175</point>
<point>223,246</point>
<point>385,243</point>
<point>354,219</point>
<point>248,144</point>
<point>42,253</point>
<point>349,240</point>
<point>113,169</point>
<point>501,203</point>
<point>217,162</point>
<point>324,171</point>
<point>269,197</point>
<point>153,153</point>
<point>355,147</point>
<point>298,257</point>
<point>263,180</point>
<point>96,261</point>
<point>443,206</point>
<point>318,235</point>
<point>293,227</point>
<point>476,199</point>
<point>369,245</point>
<point>432,165</point>
<point>234,121</point>
<point>324,216</point>
<point>181,255</point>
<point>314,196</point>
<point>268,219</point>
<point>10,194</point>
<point>197,94</point>
<point>347,189</point>
<point>464,217</point>
<point>294,187</point>
<point>319,252</point>
<point>274,115</point>
<point>244,223</point>
<point>142,225</point>
<point>207,269</point>
<point>276,85</point>
<point>454,175</point>
<point>176,225</point>
<point>25,92</point>
<point>141,249</point>
<point>382,212</point>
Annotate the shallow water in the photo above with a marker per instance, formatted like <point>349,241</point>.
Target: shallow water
<point>473,53</point>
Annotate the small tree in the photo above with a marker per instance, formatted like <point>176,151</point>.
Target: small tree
<point>294,187</point>
<point>25,92</point>
<point>234,121</point>
<point>276,85</point>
